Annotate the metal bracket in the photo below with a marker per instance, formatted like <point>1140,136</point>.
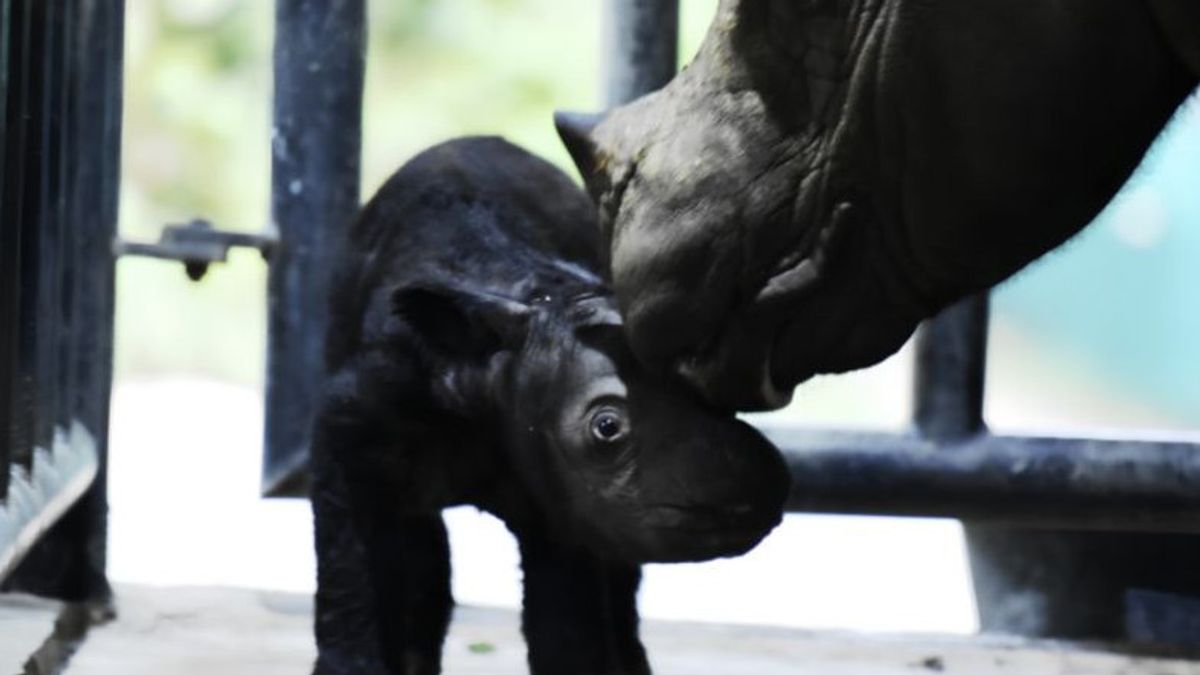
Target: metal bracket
<point>197,244</point>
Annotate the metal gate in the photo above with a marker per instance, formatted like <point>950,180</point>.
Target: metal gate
<point>60,103</point>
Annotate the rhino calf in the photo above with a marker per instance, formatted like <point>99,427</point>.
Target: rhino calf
<point>476,357</point>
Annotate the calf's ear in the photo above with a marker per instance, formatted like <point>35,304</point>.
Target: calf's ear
<point>462,323</point>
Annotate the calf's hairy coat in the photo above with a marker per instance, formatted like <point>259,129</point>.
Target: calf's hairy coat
<point>474,356</point>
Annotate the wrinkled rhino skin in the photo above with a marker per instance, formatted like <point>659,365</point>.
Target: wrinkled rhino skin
<point>476,357</point>
<point>827,173</point>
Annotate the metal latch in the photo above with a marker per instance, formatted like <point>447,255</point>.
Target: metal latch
<point>197,244</point>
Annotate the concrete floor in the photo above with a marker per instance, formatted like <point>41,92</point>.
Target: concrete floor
<point>191,630</point>
<point>25,622</point>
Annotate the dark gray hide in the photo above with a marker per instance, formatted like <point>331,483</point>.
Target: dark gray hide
<point>475,357</point>
<point>827,173</point>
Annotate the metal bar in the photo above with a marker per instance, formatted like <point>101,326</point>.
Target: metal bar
<point>642,46</point>
<point>45,327</point>
<point>36,241</point>
<point>70,262</point>
<point>1036,482</point>
<point>197,244</point>
<point>92,205</point>
<point>949,375</point>
<point>319,60</point>
<point>17,174</point>
<point>1046,523</point>
<point>68,562</point>
<point>10,242</point>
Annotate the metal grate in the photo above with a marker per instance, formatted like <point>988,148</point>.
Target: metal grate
<point>61,67</point>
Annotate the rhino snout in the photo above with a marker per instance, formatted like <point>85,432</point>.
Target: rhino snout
<point>736,372</point>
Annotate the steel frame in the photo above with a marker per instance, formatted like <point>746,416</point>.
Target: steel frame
<point>61,93</point>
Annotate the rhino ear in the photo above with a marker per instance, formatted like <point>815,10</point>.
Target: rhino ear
<point>577,133</point>
<point>462,323</point>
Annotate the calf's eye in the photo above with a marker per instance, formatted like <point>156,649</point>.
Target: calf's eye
<point>609,426</point>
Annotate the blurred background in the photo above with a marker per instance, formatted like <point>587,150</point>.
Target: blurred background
<point>1098,336</point>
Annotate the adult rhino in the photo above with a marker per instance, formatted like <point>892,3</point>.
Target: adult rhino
<point>827,173</point>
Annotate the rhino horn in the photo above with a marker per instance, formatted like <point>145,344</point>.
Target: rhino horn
<point>575,129</point>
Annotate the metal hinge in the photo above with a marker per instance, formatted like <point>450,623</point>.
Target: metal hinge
<point>198,244</point>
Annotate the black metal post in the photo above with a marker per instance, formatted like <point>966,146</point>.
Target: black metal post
<point>41,237</point>
<point>642,47</point>
<point>70,262</point>
<point>319,60</point>
<point>19,129</point>
<point>45,221</point>
<point>950,369</point>
<point>10,272</point>
<point>69,561</point>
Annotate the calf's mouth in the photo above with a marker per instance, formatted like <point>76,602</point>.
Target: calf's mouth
<point>687,532</point>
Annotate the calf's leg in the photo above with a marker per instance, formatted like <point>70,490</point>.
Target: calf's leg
<point>383,599</point>
<point>580,614</point>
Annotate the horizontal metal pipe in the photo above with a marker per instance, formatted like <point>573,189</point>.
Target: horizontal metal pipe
<point>1066,483</point>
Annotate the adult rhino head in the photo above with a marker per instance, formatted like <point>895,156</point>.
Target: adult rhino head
<point>827,173</point>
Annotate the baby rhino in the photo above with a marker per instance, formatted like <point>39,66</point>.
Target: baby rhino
<point>476,357</point>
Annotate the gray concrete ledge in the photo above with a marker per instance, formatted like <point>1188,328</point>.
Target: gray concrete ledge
<point>188,630</point>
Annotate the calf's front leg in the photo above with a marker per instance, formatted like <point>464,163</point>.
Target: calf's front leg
<point>580,611</point>
<point>383,600</point>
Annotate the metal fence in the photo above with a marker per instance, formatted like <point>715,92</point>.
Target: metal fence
<point>61,109</point>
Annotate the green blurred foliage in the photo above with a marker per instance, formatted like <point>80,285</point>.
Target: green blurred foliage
<point>197,115</point>
<point>197,131</point>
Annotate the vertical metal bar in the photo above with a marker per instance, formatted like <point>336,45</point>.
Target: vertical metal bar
<point>1049,583</point>
<point>68,563</point>
<point>948,405</point>
<point>642,47</point>
<point>950,367</point>
<point>34,239</point>
<point>45,327</point>
<point>75,256</point>
<point>98,88</point>
<point>320,50</point>
<point>16,173</point>
<point>66,262</point>
<point>92,210</point>
<point>9,271</point>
